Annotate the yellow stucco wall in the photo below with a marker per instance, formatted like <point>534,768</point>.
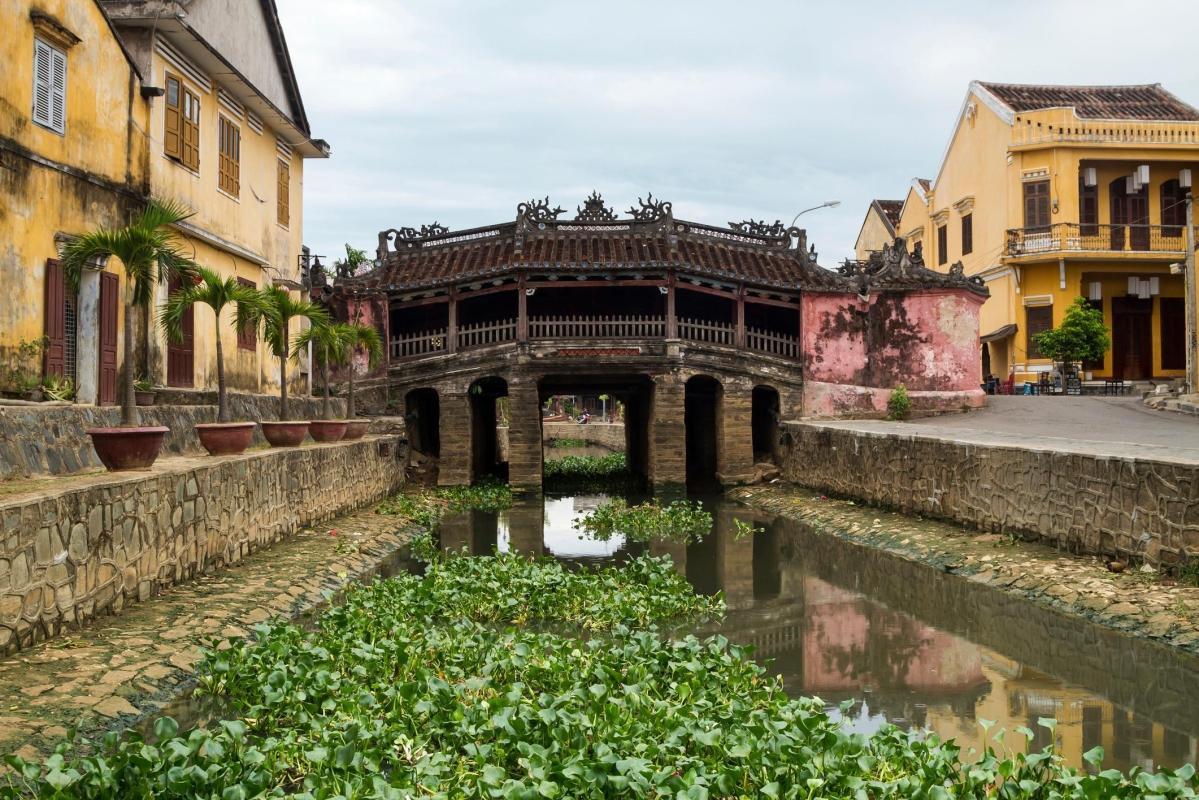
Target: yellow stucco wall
<point>982,174</point>
<point>91,175</point>
<point>874,234</point>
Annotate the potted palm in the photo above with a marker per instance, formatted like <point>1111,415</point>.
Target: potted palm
<point>366,338</point>
<point>223,437</point>
<point>279,308</point>
<point>149,252</point>
<point>330,343</point>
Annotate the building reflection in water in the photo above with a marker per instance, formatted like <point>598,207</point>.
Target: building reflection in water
<point>906,645</point>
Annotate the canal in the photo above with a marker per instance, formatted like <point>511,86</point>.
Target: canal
<point>880,639</point>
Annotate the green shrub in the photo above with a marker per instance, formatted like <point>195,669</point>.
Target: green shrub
<point>899,405</point>
<point>681,521</point>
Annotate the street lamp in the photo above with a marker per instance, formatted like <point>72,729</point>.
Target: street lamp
<point>825,204</point>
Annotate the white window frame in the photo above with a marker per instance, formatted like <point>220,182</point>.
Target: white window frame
<point>56,95</point>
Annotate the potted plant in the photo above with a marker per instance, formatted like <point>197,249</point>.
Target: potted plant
<point>330,341</point>
<point>277,311</point>
<point>143,391</point>
<point>223,437</point>
<point>366,338</point>
<point>1081,336</point>
<point>148,250</point>
<point>58,388</point>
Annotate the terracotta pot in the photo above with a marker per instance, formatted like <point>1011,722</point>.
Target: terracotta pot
<point>284,434</point>
<point>327,430</point>
<point>144,398</point>
<point>355,429</point>
<point>127,448</point>
<point>225,438</point>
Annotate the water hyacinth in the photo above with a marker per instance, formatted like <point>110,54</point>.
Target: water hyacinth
<point>680,521</point>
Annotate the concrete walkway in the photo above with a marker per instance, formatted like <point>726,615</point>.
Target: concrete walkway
<point>1105,426</point>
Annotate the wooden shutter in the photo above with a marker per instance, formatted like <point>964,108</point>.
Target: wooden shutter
<point>284,190</point>
<point>55,328</point>
<point>1088,208</point>
<point>967,234</point>
<point>181,366</point>
<point>230,156</point>
<point>247,337</point>
<point>1036,204</point>
<point>1173,332</point>
<point>49,86</point>
<point>172,142</point>
<point>190,124</point>
<point>1173,209</point>
<point>109,294</point>
<point>1038,319</point>
<point>942,244</point>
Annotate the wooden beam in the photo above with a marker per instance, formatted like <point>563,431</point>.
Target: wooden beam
<point>770,301</point>
<point>522,310</point>
<point>507,287</point>
<point>741,318</point>
<point>452,329</point>
<point>419,301</point>
<point>568,283</point>
<point>672,320</point>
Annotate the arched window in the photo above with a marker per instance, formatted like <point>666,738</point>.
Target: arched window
<point>1173,208</point>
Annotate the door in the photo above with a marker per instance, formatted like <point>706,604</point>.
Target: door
<point>55,310</point>
<point>109,292</point>
<point>1130,216</point>
<point>1132,338</point>
<point>181,354</point>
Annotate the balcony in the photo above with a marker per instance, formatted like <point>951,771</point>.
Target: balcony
<point>1072,237</point>
<point>567,328</point>
<point>1127,133</point>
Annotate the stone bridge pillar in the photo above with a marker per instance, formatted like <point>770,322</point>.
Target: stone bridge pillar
<point>736,462</point>
<point>667,432</point>
<point>454,467</point>
<point>524,433</point>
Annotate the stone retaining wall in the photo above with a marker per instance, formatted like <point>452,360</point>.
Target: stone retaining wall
<point>39,440</point>
<point>607,435</point>
<point>99,542</point>
<point>1083,503</point>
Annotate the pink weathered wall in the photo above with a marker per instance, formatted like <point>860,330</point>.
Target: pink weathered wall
<point>366,311</point>
<point>856,351</point>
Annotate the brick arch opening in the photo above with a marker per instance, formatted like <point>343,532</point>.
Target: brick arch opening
<point>488,458</point>
<point>764,422</point>
<point>422,421</point>
<point>703,412</point>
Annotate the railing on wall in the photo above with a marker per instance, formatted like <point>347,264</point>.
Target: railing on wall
<point>602,327</point>
<point>776,344</point>
<point>698,330</point>
<point>1075,237</point>
<point>420,344</point>
<point>482,334</point>
<point>1112,132</point>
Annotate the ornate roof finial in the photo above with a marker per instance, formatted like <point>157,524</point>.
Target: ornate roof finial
<point>651,210</point>
<point>594,210</point>
<point>539,210</point>
<point>759,227</point>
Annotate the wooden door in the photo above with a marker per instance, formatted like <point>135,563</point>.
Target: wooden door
<point>1130,216</point>
<point>55,329</point>
<point>110,288</point>
<point>181,354</point>
<point>1132,338</point>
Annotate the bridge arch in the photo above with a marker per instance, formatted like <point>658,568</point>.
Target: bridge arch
<point>488,458</point>
<point>703,423</point>
<point>765,413</point>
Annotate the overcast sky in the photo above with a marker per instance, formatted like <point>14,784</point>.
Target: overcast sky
<point>457,110</point>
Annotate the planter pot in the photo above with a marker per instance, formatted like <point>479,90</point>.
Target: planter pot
<point>284,434</point>
<point>144,398</point>
<point>127,448</point>
<point>355,429</point>
<point>327,430</point>
<point>225,438</point>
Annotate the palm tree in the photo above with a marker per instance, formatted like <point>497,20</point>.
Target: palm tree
<point>217,294</point>
<point>279,309</point>
<point>331,341</point>
<point>149,251</point>
<point>361,337</point>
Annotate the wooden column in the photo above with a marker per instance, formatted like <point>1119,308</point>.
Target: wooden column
<point>522,315</point>
<point>672,322</point>
<point>452,331</point>
<point>741,317</point>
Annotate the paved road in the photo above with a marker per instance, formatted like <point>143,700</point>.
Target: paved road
<point>1118,426</point>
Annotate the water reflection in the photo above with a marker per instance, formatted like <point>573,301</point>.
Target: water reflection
<point>904,643</point>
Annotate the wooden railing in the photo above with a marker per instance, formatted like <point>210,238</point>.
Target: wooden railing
<point>482,334</point>
<point>602,327</point>
<point>776,344</point>
<point>698,330</point>
<point>420,344</point>
<point>1092,237</point>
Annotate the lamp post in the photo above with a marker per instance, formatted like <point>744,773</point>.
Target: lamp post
<point>1188,284</point>
<point>825,204</point>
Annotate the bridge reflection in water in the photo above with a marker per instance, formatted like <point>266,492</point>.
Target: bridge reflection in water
<point>906,644</point>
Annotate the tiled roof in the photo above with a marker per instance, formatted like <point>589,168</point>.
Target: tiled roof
<point>925,184</point>
<point>1146,101</point>
<point>890,209</point>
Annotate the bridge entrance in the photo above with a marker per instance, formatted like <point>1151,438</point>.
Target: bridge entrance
<point>488,409</point>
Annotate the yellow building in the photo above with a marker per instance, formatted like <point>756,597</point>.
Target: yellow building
<point>1055,192</point>
<point>228,137</point>
<point>878,228</point>
<point>73,155</point>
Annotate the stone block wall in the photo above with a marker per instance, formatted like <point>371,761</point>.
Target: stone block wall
<point>1083,503</point>
<point>667,431</point>
<point>41,440</point>
<point>524,434</point>
<point>603,434</point>
<point>100,542</point>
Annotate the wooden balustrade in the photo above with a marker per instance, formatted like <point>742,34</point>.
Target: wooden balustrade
<point>420,344</point>
<point>698,330</point>
<point>602,327</point>
<point>776,344</point>
<point>482,334</point>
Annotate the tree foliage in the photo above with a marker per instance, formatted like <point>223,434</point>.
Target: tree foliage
<point>1082,336</point>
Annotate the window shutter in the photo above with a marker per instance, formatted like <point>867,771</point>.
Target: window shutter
<point>55,328</point>
<point>171,142</point>
<point>49,86</point>
<point>284,205</point>
<point>58,91</point>
<point>967,234</point>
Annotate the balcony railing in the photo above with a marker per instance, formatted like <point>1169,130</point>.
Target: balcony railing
<point>1133,133</point>
<point>579,328</point>
<point>1072,237</point>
